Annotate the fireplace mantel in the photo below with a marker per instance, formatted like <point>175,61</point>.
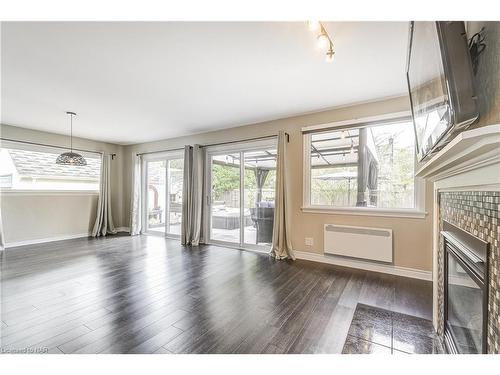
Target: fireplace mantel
<point>470,162</point>
<point>471,149</point>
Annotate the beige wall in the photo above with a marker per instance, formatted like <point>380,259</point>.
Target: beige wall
<point>34,216</point>
<point>412,237</point>
<point>28,217</point>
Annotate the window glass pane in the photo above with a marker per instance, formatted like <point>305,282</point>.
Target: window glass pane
<point>259,195</point>
<point>156,174</point>
<point>365,167</point>
<point>175,179</point>
<point>37,170</point>
<point>225,205</point>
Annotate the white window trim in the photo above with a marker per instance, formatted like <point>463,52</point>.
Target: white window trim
<point>357,122</point>
<point>155,156</point>
<point>234,147</point>
<point>366,211</point>
<point>8,144</point>
<point>47,148</point>
<point>417,212</point>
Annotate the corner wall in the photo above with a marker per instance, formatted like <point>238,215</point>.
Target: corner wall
<point>34,216</point>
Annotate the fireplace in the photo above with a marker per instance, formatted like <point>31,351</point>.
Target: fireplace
<point>466,193</point>
<point>465,291</point>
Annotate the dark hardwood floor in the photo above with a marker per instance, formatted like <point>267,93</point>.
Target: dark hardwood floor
<point>147,294</point>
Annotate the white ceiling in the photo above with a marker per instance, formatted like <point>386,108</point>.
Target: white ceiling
<point>132,82</point>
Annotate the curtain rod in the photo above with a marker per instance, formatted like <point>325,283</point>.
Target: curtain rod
<point>53,146</point>
<point>359,122</point>
<point>217,144</point>
<point>244,140</point>
<point>157,152</point>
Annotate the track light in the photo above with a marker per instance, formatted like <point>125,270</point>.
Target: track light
<point>313,25</point>
<point>323,40</point>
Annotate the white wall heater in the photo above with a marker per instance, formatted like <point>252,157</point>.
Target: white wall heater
<point>358,242</point>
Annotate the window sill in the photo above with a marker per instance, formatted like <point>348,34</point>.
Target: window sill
<point>48,192</point>
<point>365,211</point>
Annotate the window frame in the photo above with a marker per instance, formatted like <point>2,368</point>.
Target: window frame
<point>419,191</point>
<point>146,158</point>
<point>8,144</point>
<point>232,147</point>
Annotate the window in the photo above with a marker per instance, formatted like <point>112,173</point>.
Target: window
<point>163,184</point>
<point>240,187</point>
<point>369,167</point>
<point>24,167</point>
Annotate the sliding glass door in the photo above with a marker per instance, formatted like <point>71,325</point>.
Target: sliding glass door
<point>259,196</point>
<point>156,173</point>
<point>163,179</point>
<point>240,189</point>
<point>225,198</point>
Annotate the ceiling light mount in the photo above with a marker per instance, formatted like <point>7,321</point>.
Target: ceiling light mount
<point>323,39</point>
<point>329,54</point>
<point>313,25</point>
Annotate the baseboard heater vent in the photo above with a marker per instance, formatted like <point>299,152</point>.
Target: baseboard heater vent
<point>358,242</point>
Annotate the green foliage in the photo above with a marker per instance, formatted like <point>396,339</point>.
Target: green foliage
<point>250,182</point>
<point>395,177</point>
<point>270,180</point>
<point>177,163</point>
<point>224,178</point>
<point>334,193</point>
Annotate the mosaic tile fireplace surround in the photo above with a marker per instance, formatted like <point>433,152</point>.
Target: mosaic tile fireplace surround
<point>478,213</point>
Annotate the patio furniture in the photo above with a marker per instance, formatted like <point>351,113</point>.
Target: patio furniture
<point>228,220</point>
<point>155,214</point>
<point>263,218</point>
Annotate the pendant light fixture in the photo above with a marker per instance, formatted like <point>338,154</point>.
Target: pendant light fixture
<point>71,158</point>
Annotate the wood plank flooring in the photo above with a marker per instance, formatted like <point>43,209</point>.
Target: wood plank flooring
<point>147,294</point>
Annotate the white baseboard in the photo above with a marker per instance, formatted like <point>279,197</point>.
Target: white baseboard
<point>56,238</point>
<point>365,265</point>
<point>48,239</point>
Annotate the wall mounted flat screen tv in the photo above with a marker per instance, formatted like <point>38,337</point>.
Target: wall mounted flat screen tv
<point>440,83</point>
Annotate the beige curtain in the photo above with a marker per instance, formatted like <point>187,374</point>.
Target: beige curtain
<point>135,224</point>
<point>2,237</point>
<point>282,245</point>
<point>104,219</point>
<point>192,196</point>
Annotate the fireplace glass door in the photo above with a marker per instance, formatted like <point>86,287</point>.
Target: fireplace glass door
<point>464,307</point>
